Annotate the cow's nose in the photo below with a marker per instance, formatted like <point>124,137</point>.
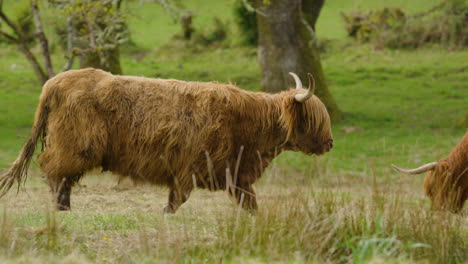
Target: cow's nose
<point>330,143</point>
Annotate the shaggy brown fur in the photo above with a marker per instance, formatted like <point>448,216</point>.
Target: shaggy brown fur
<point>447,184</point>
<point>166,132</point>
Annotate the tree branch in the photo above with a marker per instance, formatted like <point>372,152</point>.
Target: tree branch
<point>118,5</point>
<point>42,39</point>
<point>425,13</point>
<point>23,47</point>
<point>309,28</point>
<point>41,75</point>
<point>173,11</point>
<point>93,44</point>
<point>311,11</point>
<point>12,25</point>
<point>8,36</point>
<point>92,38</point>
<point>70,41</point>
<point>250,8</point>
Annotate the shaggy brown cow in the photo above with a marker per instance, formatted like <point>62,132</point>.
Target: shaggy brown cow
<point>446,185</point>
<point>167,132</point>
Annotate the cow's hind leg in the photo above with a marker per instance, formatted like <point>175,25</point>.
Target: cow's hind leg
<point>62,172</point>
<point>176,199</point>
<point>64,192</point>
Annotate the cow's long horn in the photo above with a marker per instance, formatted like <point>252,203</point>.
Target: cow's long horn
<point>423,168</point>
<point>310,91</point>
<point>298,81</point>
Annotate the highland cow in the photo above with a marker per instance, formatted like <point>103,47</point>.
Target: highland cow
<point>167,132</point>
<point>446,185</point>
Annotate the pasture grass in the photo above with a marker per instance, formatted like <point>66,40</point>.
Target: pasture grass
<point>312,219</point>
<point>400,106</point>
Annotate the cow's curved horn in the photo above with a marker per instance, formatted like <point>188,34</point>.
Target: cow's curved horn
<point>311,83</point>
<point>310,91</point>
<point>298,81</point>
<point>423,168</point>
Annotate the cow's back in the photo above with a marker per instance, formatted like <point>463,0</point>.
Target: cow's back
<point>149,129</point>
<point>159,128</point>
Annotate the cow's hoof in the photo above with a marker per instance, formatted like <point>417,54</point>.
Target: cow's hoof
<point>61,207</point>
<point>168,210</point>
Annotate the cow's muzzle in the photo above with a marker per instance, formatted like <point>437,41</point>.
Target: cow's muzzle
<point>328,145</point>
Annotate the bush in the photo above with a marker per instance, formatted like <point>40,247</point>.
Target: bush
<point>365,26</point>
<point>246,20</point>
<point>217,33</point>
<point>445,24</point>
<point>212,36</point>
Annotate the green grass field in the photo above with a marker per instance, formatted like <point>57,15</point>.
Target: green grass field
<point>400,106</point>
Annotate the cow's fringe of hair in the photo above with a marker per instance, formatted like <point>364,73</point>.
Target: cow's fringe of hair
<point>312,115</point>
<point>19,170</point>
<point>313,111</point>
<point>450,176</point>
<point>458,158</point>
<point>448,193</point>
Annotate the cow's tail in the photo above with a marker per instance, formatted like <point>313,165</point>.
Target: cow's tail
<point>19,170</point>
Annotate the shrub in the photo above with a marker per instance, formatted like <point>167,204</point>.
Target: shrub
<point>365,26</point>
<point>246,21</point>
<point>445,24</point>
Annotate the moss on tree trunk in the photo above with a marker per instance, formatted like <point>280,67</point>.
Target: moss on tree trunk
<point>287,44</point>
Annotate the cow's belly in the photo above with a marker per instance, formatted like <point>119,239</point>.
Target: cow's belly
<point>140,170</point>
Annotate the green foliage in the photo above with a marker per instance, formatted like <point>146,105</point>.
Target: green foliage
<point>212,36</point>
<point>217,33</point>
<point>446,23</point>
<point>21,16</point>
<point>447,26</point>
<point>99,28</point>
<point>25,22</point>
<point>376,238</point>
<point>246,20</point>
<point>365,26</point>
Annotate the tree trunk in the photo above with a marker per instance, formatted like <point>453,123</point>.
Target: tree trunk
<point>111,62</point>
<point>311,11</point>
<point>106,59</point>
<point>287,44</point>
<point>187,27</point>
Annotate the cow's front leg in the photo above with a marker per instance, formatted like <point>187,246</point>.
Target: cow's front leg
<point>246,197</point>
<point>176,199</point>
